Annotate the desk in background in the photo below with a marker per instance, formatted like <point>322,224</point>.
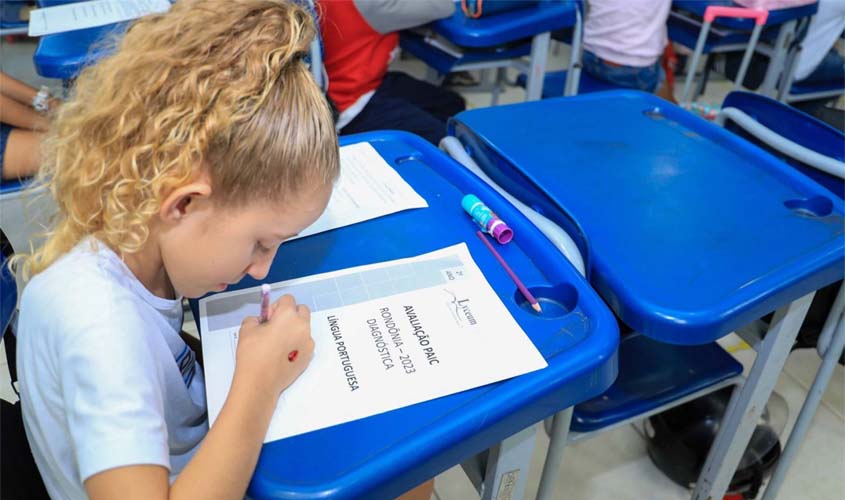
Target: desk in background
<point>691,232</point>
<point>779,32</point>
<point>497,41</point>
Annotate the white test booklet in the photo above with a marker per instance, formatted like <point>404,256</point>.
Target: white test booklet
<point>81,15</point>
<point>368,188</point>
<point>387,335</point>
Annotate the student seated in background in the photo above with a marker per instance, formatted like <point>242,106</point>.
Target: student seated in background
<point>623,43</point>
<point>22,127</point>
<point>360,40</point>
<point>819,62</point>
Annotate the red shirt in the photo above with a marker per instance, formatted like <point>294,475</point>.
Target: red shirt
<point>355,55</point>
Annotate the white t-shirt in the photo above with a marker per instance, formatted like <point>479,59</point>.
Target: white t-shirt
<point>823,31</point>
<point>628,32</point>
<point>105,379</point>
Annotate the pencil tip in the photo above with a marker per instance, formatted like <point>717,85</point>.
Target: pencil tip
<point>537,307</point>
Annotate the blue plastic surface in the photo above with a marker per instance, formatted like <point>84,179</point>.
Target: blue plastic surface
<point>443,62</point>
<point>796,126</point>
<point>653,374</point>
<point>804,88</point>
<point>381,456</point>
<point>8,294</point>
<point>10,14</point>
<point>692,231</point>
<point>11,186</point>
<point>63,55</point>
<point>507,27</point>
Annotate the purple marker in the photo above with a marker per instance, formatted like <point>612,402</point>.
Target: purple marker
<point>487,219</point>
<point>265,303</point>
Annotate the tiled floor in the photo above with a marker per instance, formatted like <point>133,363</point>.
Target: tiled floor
<point>615,464</point>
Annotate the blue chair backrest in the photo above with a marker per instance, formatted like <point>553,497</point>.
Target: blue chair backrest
<point>796,126</point>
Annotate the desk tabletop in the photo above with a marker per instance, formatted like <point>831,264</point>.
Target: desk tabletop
<point>691,231</point>
<point>381,456</point>
<point>506,27</point>
<point>63,55</point>
<point>776,17</point>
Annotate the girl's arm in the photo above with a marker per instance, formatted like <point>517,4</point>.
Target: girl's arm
<point>16,89</point>
<point>221,467</point>
<point>225,461</point>
<point>20,115</point>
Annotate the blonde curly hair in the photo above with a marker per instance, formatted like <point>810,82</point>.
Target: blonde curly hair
<point>212,84</point>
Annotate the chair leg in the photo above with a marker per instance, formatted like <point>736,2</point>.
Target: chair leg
<point>705,75</point>
<point>557,443</point>
<point>808,410</point>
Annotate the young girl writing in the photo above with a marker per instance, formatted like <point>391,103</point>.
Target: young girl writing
<point>179,165</point>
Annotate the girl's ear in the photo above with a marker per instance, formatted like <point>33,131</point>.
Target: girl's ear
<point>183,200</point>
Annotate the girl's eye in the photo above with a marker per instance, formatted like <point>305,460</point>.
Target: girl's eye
<point>261,248</point>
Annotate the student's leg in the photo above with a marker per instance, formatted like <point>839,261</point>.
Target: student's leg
<point>398,114</point>
<point>22,153</point>
<point>20,115</point>
<point>440,102</point>
<point>421,492</point>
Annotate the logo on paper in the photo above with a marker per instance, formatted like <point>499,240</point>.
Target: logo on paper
<point>461,310</point>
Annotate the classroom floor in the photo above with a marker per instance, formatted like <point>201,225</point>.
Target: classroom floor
<point>614,464</point>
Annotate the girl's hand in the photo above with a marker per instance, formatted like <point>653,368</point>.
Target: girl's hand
<point>263,361</point>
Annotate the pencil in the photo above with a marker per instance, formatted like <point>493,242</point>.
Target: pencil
<point>265,303</point>
<point>530,298</point>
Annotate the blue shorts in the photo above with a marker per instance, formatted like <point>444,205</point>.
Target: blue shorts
<point>5,132</point>
<point>647,78</point>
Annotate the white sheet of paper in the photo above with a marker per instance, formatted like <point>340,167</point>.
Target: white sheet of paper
<point>368,188</point>
<point>387,335</point>
<point>81,15</point>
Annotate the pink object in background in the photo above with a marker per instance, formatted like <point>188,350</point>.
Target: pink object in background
<point>773,4</point>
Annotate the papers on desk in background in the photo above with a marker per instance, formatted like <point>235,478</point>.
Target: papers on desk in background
<point>81,15</point>
<point>386,335</point>
<point>368,188</point>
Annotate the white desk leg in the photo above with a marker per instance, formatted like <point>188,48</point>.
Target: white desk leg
<point>808,410</point>
<point>507,466</point>
<point>537,68</point>
<point>773,73</point>
<point>573,75</point>
<point>557,442</point>
<point>747,403</point>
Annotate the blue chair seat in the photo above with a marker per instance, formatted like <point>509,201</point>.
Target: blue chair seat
<point>10,14</point>
<point>555,80</point>
<point>651,375</point>
<point>443,61</point>
<point>11,186</point>
<point>800,89</point>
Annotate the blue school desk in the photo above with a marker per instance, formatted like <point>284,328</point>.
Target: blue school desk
<point>382,456</point>
<point>63,55</point>
<point>778,32</point>
<point>689,232</point>
<point>496,41</point>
